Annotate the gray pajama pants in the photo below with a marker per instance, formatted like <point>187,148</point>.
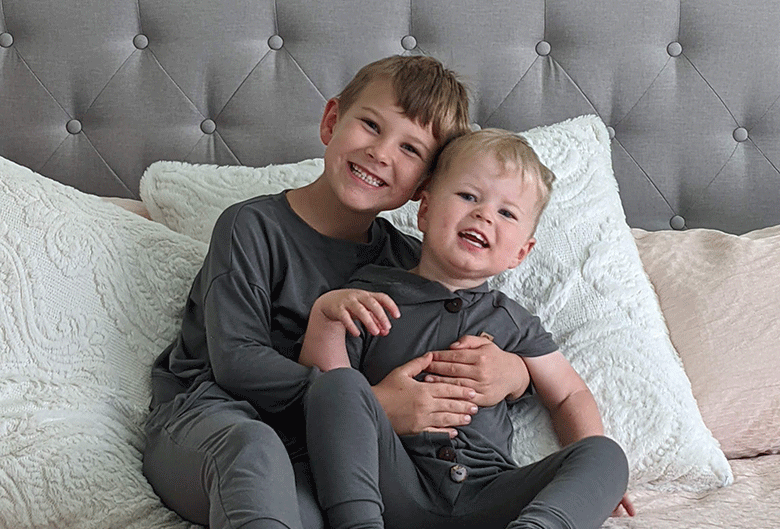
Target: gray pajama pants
<point>211,459</point>
<point>365,478</point>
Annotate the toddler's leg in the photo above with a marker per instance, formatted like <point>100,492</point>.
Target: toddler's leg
<point>364,476</point>
<point>586,481</point>
<point>311,514</point>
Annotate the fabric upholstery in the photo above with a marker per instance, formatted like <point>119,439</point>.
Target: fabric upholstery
<point>94,92</point>
<point>752,501</point>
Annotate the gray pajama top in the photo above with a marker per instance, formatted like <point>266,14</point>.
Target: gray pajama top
<point>249,304</point>
<point>431,319</point>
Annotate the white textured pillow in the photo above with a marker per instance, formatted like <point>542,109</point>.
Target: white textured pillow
<point>584,279</point>
<point>89,295</point>
<point>189,198</point>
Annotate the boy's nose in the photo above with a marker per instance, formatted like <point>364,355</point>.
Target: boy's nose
<point>379,151</point>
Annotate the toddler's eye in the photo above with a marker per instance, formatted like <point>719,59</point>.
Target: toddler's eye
<point>467,197</point>
<point>506,213</point>
<point>370,124</point>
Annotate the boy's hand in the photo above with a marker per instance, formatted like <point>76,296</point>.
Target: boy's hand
<point>414,407</point>
<point>478,363</point>
<point>350,304</point>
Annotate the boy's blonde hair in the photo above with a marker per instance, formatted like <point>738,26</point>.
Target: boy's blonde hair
<point>508,148</point>
<point>427,92</point>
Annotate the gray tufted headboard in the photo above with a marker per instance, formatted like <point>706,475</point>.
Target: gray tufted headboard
<point>93,91</point>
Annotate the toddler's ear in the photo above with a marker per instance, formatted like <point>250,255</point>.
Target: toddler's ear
<point>329,119</point>
<point>523,252</point>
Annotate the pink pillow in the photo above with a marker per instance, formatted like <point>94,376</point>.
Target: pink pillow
<point>720,296</point>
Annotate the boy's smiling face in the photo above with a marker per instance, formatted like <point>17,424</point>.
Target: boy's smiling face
<point>375,156</point>
<point>478,219</point>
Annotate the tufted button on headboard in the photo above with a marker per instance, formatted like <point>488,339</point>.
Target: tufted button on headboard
<point>91,93</point>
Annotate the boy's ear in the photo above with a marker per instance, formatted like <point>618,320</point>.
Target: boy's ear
<point>329,119</point>
<point>420,188</point>
<point>422,212</point>
<point>524,251</point>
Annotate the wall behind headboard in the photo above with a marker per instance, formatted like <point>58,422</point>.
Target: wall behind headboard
<point>93,91</point>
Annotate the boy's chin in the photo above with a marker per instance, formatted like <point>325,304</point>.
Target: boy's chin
<point>367,202</point>
<point>362,207</point>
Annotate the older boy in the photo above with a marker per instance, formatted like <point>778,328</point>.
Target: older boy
<point>225,435</point>
<point>478,216</point>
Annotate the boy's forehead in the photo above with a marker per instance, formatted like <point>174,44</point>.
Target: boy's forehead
<point>379,92</point>
<point>379,95</point>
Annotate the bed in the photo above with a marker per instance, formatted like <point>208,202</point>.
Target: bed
<point>127,126</point>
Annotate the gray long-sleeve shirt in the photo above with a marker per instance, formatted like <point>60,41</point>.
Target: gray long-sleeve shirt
<point>250,302</point>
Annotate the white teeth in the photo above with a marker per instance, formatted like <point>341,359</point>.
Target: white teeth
<point>370,180</point>
<point>475,238</point>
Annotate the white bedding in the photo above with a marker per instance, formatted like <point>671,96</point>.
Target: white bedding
<point>74,348</point>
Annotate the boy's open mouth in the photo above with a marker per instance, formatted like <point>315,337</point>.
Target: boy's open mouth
<point>475,238</point>
<point>370,180</point>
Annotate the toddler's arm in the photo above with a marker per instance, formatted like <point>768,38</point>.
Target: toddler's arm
<point>572,407</point>
<point>333,314</point>
<point>574,412</point>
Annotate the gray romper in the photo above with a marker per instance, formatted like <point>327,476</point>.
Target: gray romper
<point>226,432</point>
<point>367,476</point>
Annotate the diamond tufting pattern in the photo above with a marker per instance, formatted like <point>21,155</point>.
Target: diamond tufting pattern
<point>91,93</point>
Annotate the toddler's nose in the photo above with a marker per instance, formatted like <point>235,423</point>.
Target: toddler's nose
<point>481,214</point>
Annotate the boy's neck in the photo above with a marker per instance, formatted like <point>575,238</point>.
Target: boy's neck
<point>432,272</point>
<point>320,209</point>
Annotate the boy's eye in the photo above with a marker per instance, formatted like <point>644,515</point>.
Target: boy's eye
<point>370,124</point>
<point>410,148</point>
<point>467,196</point>
<point>506,213</point>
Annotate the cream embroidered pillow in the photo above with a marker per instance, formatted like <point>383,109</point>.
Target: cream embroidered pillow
<point>89,296</point>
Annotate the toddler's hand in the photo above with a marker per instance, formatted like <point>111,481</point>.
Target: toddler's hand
<point>627,505</point>
<point>350,304</point>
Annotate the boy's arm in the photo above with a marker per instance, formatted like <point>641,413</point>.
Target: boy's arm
<point>414,407</point>
<point>476,362</point>
<point>333,315</point>
<point>411,406</point>
<point>572,407</point>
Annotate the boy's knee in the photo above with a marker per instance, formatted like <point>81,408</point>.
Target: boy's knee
<point>337,391</point>
<point>253,432</point>
<point>345,376</point>
<point>251,443</point>
<point>336,382</point>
